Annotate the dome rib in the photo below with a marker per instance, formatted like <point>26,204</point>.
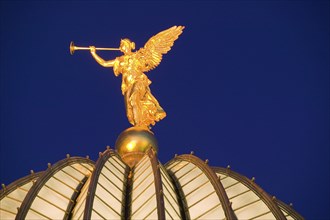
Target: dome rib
<point>185,188</point>
<point>12,196</point>
<point>158,183</point>
<point>108,182</point>
<point>78,210</point>
<point>152,192</point>
<point>211,176</point>
<point>43,198</point>
<point>267,200</point>
<point>172,202</point>
<point>288,211</point>
<point>182,199</point>
<point>143,196</point>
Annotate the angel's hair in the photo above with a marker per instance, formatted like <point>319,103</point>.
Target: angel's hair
<point>129,42</point>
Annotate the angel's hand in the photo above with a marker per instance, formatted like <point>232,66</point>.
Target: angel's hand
<point>92,49</point>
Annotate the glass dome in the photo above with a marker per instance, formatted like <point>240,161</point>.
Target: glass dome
<point>184,188</point>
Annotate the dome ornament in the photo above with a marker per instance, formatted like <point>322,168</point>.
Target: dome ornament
<point>142,108</point>
<point>133,143</point>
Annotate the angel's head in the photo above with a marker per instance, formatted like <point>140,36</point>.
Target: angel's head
<point>126,45</point>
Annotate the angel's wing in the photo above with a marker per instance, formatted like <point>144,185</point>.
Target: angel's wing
<point>151,54</point>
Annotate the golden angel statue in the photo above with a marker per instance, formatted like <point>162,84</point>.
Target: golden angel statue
<point>142,108</point>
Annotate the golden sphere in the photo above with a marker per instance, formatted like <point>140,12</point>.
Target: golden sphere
<point>133,143</point>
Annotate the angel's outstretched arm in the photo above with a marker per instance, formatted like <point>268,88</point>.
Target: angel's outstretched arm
<point>108,63</point>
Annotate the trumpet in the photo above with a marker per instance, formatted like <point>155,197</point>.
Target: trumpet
<point>73,48</point>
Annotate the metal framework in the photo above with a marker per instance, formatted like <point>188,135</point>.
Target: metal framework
<point>288,211</point>
<point>184,188</point>
<point>107,158</point>
<point>41,184</point>
<point>143,195</point>
<point>268,200</point>
<point>14,194</point>
<point>158,183</point>
<point>213,179</point>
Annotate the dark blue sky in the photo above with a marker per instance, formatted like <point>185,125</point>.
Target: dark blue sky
<point>246,84</point>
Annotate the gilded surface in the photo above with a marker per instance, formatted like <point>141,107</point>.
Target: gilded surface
<point>142,108</point>
<point>133,143</point>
